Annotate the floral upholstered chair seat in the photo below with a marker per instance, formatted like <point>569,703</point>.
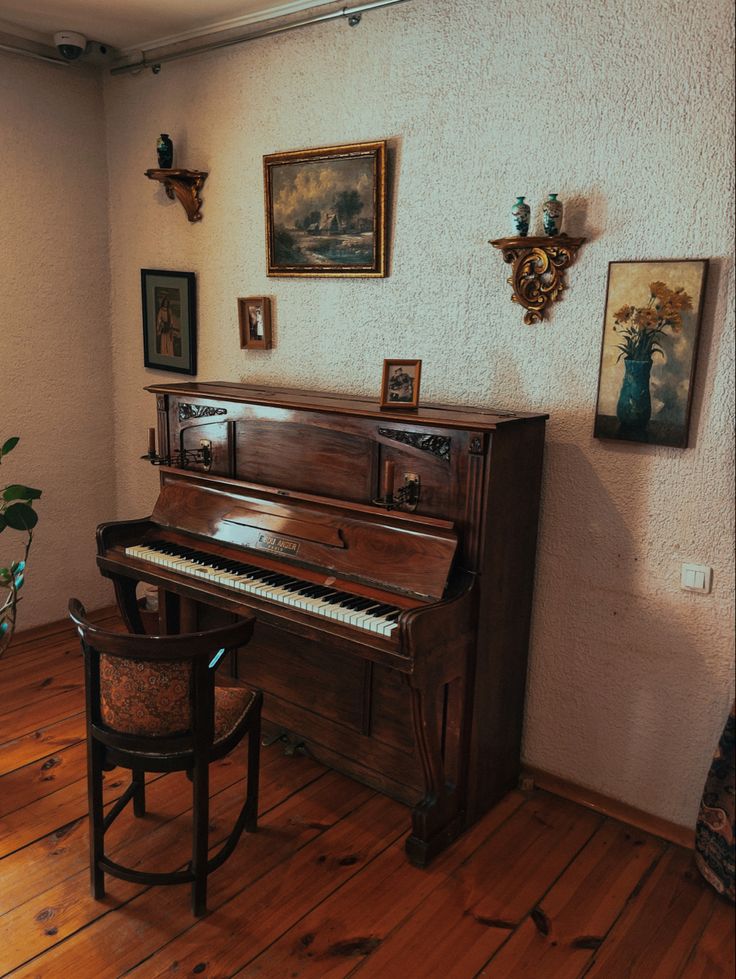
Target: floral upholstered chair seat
<point>152,698</point>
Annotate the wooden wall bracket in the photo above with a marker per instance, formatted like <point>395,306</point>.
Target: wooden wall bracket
<point>537,270</point>
<point>185,185</point>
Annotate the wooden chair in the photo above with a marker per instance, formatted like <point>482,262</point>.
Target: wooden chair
<point>153,706</point>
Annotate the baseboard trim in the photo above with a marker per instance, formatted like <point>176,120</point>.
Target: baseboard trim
<point>674,833</point>
<point>58,627</point>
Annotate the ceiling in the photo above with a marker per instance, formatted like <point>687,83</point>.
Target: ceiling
<point>134,25</point>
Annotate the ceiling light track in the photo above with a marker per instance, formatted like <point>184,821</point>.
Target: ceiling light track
<point>352,14</point>
<point>33,54</point>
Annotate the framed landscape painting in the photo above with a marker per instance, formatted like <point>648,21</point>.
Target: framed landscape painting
<point>650,341</point>
<point>326,211</point>
<point>169,320</point>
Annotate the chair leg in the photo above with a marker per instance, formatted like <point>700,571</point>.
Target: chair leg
<point>254,764</point>
<point>139,799</point>
<point>200,821</point>
<point>95,752</point>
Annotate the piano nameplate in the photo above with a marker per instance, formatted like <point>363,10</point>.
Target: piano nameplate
<point>278,522</point>
<point>279,544</point>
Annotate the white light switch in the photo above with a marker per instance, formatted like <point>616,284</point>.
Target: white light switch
<point>696,577</point>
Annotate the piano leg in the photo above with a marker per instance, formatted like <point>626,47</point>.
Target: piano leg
<point>439,818</point>
<point>128,603</point>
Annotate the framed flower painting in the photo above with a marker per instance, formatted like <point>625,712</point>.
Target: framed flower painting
<point>650,341</point>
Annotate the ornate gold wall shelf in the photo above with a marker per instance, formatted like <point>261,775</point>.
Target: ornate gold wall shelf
<point>538,270</point>
<point>185,185</point>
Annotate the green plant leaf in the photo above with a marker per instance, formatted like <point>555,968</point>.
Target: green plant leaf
<point>18,492</point>
<point>9,445</point>
<point>20,516</point>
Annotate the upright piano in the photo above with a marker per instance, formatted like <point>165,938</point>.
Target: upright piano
<point>388,558</point>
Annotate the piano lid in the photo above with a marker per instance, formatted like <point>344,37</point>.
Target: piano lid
<point>399,552</point>
<point>440,415</point>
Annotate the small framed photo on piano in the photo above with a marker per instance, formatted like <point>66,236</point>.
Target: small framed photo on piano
<point>169,320</point>
<point>400,386</point>
<point>254,314</point>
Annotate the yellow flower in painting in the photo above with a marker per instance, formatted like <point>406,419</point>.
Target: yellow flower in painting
<point>681,300</point>
<point>624,314</point>
<point>659,290</point>
<point>646,317</point>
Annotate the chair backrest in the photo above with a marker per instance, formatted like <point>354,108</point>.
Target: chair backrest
<point>153,686</point>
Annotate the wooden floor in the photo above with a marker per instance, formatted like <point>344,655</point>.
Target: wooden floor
<point>541,888</point>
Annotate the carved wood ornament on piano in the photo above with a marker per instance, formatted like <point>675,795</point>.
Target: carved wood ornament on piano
<point>389,564</point>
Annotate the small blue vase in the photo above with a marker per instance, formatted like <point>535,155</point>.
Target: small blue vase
<point>552,215</point>
<point>165,151</point>
<point>520,213</point>
<point>634,407</point>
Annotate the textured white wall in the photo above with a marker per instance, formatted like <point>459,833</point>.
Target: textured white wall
<point>55,361</point>
<point>630,678</point>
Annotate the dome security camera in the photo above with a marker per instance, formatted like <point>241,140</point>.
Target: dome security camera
<point>70,45</point>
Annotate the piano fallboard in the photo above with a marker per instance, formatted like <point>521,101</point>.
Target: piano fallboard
<point>399,552</point>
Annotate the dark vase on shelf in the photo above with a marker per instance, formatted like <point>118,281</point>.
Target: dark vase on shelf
<point>165,151</point>
<point>634,407</point>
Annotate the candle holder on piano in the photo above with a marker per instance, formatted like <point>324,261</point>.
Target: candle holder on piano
<point>182,459</point>
<point>404,498</point>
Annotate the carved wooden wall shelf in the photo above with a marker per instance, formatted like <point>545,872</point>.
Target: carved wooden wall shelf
<point>185,185</point>
<point>537,270</point>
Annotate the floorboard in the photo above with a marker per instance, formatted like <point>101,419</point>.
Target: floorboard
<point>540,888</point>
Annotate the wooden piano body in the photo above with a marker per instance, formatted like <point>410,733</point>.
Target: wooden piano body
<point>430,713</point>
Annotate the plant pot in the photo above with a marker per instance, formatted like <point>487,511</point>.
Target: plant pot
<point>634,407</point>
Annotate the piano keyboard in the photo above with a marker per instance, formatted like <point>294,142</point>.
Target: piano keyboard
<point>354,610</point>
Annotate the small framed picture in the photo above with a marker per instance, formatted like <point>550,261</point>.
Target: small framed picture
<point>400,385</point>
<point>169,320</point>
<point>326,211</point>
<point>650,342</point>
<point>254,314</point>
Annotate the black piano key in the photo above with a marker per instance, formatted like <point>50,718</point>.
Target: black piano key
<point>382,609</point>
<point>309,591</point>
<point>365,603</point>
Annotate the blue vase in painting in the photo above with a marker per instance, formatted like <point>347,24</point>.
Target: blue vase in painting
<point>520,213</point>
<point>634,407</point>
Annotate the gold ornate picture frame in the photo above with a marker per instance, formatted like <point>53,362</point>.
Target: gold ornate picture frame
<point>326,211</point>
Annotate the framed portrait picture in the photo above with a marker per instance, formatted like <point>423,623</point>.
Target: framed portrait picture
<point>169,320</point>
<point>650,341</point>
<point>326,211</point>
<point>254,315</point>
<point>400,385</point>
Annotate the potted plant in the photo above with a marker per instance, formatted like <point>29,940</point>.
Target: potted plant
<point>641,328</point>
<point>16,513</point>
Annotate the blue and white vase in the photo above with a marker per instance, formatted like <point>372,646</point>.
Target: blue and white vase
<point>520,213</point>
<point>552,215</point>
<point>165,151</point>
